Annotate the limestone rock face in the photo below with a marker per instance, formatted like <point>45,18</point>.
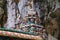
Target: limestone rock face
<point>1,11</point>
<point>53,24</point>
<point>1,3</point>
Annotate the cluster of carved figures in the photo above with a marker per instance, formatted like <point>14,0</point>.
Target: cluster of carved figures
<point>30,23</point>
<point>16,18</point>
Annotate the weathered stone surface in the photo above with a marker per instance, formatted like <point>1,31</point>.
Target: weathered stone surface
<point>1,3</point>
<point>1,11</point>
<point>53,24</point>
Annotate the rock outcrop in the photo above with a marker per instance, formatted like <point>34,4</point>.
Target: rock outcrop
<point>53,23</point>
